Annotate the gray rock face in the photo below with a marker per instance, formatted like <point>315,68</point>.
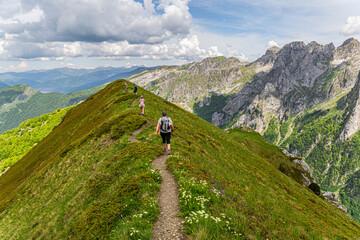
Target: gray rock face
<point>334,199</point>
<point>301,75</point>
<point>307,173</point>
<point>191,83</point>
<point>353,116</point>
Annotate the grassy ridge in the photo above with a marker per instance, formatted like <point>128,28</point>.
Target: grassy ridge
<point>87,180</point>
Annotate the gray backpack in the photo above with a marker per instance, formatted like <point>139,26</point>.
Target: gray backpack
<point>165,124</point>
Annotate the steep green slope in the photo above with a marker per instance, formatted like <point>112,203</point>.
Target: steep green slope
<point>86,180</point>
<point>17,142</point>
<point>335,164</point>
<point>21,102</point>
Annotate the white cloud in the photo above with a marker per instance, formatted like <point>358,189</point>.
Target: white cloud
<point>214,51</point>
<point>23,65</point>
<point>72,49</point>
<point>352,26</point>
<point>20,67</point>
<point>235,53</point>
<point>187,49</point>
<point>97,20</point>
<point>60,29</point>
<point>272,43</point>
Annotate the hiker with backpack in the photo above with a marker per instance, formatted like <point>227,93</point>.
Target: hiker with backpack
<point>135,89</point>
<point>165,126</point>
<point>142,105</point>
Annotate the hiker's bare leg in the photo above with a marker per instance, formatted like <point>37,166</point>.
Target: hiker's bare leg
<point>164,145</point>
<point>168,146</point>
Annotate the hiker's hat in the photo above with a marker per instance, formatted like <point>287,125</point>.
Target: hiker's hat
<point>141,95</point>
<point>163,113</point>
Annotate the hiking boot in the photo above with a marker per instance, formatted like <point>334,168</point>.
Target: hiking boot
<point>164,149</point>
<point>169,152</point>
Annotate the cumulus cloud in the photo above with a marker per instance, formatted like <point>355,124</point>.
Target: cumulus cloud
<point>235,53</point>
<point>97,20</point>
<point>352,26</point>
<point>187,49</point>
<point>20,67</point>
<point>272,44</point>
<point>116,29</point>
<point>23,65</point>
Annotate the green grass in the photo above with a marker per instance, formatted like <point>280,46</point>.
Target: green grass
<point>85,180</point>
<point>37,104</point>
<point>17,142</point>
<point>315,137</point>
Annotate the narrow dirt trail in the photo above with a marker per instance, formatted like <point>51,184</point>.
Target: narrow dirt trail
<point>126,86</point>
<point>169,226</point>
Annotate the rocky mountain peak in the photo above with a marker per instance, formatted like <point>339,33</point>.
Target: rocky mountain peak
<point>348,51</point>
<point>273,49</point>
<point>350,41</point>
<point>266,62</point>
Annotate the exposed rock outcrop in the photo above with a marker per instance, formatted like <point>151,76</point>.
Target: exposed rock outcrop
<point>334,199</point>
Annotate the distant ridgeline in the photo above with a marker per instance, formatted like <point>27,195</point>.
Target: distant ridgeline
<point>67,80</point>
<point>20,102</point>
<point>302,97</point>
<point>86,180</point>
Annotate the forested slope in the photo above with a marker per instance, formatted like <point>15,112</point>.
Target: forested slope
<point>20,102</point>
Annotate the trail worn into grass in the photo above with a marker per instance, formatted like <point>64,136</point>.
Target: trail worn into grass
<point>169,225</point>
<point>126,86</point>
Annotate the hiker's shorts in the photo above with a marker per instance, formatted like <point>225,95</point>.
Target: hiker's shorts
<point>166,137</point>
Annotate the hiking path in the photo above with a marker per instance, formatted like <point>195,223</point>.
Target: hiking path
<point>169,225</point>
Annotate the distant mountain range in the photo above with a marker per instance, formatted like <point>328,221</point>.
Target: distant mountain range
<point>302,97</point>
<point>3,85</point>
<point>66,80</point>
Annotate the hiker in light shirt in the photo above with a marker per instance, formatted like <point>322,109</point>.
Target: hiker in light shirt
<point>142,105</point>
<point>165,126</point>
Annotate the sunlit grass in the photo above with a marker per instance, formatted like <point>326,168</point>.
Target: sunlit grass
<point>86,180</point>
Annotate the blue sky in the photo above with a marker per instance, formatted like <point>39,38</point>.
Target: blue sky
<point>92,33</point>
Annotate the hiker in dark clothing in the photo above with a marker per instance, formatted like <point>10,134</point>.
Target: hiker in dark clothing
<point>165,126</point>
<point>135,89</point>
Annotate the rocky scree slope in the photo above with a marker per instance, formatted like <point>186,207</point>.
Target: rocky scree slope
<point>86,180</point>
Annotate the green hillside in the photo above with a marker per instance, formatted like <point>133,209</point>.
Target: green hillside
<point>86,180</point>
<point>20,102</point>
<point>314,135</point>
<point>15,143</point>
